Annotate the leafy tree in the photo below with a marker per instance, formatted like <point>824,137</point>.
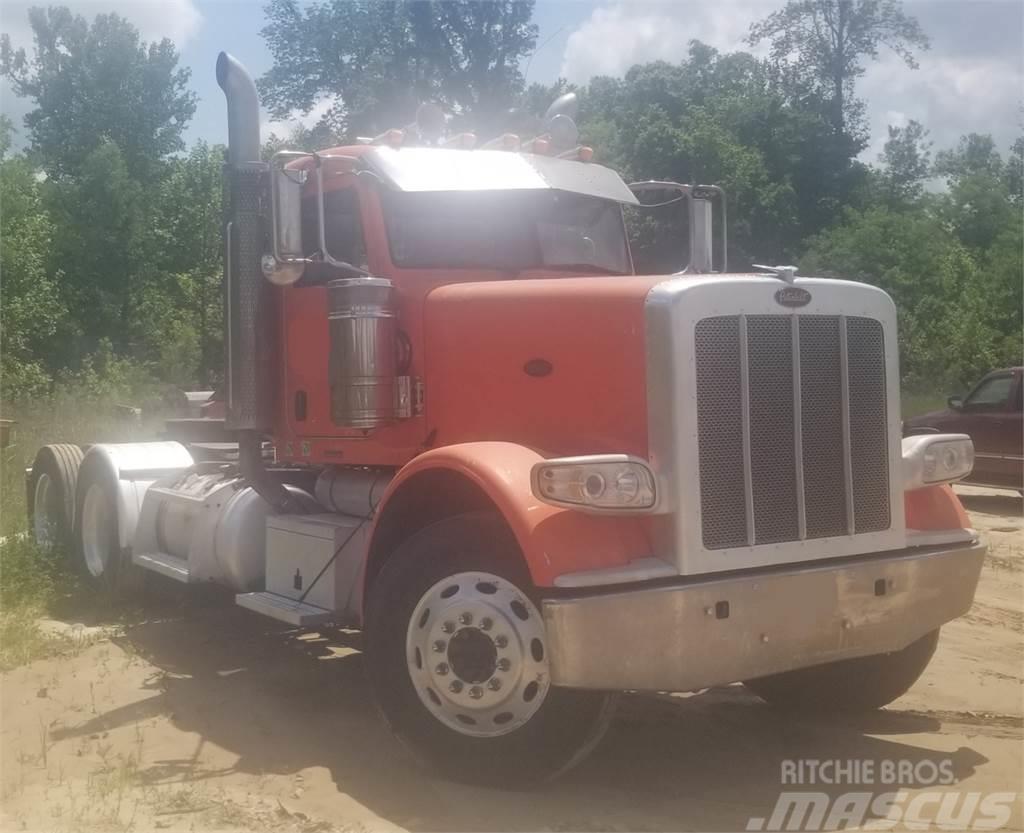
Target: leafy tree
<point>722,118</point>
<point>372,63</point>
<point>98,83</point>
<point>830,40</point>
<point>188,224</point>
<point>31,312</point>
<point>906,161</point>
<point>106,246</point>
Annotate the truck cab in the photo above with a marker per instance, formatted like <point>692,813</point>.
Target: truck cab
<point>532,477</point>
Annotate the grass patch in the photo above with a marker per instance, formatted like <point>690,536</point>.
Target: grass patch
<point>915,404</point>
<point>33,580</point>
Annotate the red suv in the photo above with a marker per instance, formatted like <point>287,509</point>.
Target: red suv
<point>991,416</point>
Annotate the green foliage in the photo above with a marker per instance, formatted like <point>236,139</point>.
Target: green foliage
<point>96,84</point>
<point>32,310</point>
<point>109,248</point>
<point>906,163</point>
<point>372,63</point>
<point>819,46</point>
<point>723,119</point>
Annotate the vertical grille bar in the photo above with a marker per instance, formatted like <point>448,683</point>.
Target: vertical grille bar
<point>869,443</point>
<point>772,455</point>
<point>723,506</point>
<point>844,381</point>
<point>748,476</point>
<point>821,415</point>
<point>798,433</point>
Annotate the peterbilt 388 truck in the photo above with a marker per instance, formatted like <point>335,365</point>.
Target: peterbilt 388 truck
<point>460,422</point>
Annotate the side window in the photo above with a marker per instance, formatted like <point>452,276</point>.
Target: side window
<point>992,393</point>
<point>1018,400</point>
<point>343,228</point>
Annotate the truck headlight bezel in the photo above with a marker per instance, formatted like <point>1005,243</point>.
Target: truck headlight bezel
<point>607,484</point>
<point>933,459</point>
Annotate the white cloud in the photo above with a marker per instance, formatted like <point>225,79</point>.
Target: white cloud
<point>965,84</point>
<point>622,33</point>
<point>949,95</point>
<point>178,20</point>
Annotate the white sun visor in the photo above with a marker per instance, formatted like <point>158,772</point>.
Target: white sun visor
<point>441,169</point>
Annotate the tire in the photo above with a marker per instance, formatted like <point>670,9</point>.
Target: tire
<point>99,557</point>
<point>433,655</point>
<point>854,685</point>
<point>51,494</point>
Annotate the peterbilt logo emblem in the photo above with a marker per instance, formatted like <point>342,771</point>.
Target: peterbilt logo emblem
<point>793,296</point>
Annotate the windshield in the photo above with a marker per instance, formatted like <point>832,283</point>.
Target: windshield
<point>506,230</point>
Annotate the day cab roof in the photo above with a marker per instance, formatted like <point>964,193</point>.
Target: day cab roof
<point>427,169</point>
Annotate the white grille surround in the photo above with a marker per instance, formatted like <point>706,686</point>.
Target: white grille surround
<point>800,456</point>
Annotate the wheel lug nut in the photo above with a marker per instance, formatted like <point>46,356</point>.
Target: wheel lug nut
<point>448,627</point>
<point>442,668</point>
<point>504,664</point>
<point>486,623</point>
<point>494,684</point>
<point>501,641</point>
<point>465,618</point>
<point>455,686</point>
<point>439,646</point>
<point>476,692</point>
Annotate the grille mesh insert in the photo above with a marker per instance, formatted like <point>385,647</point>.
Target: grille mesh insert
<point>774,420</point>
<point>722,497</point>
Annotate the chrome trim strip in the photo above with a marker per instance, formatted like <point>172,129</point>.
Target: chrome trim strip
<point>748,475</point>
<point>798,432</point>
<point>844,383</point>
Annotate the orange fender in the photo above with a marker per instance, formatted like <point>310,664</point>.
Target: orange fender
<point>934,508</point>
<point>554,541</point>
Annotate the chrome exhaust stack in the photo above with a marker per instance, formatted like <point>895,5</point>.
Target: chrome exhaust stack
<point>249,323</point>
<point>250,326</point>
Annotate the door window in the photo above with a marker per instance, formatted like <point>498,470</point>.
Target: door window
<point>993,392</point>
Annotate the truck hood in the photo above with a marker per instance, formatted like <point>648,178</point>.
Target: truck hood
<point>555,364</point>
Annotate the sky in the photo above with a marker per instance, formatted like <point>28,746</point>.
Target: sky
<point>971,80</point>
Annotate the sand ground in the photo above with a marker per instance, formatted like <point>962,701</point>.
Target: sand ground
<point>207,718</point>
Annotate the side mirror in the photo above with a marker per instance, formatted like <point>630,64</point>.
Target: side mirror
<point>955,402</point>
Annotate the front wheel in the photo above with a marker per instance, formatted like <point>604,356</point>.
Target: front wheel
<point>852,685</point>
<point>457,656</point>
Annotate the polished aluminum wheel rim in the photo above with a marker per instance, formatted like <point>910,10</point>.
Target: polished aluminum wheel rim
<point>98,544</point>
<point>476,654</point>
<point>45,511</point>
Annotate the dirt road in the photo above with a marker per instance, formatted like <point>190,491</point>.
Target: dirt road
<point>210,719</point>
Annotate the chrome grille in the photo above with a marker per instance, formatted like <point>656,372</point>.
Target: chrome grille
<point>791,419</point>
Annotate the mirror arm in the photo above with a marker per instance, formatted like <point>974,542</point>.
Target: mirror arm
<point>324,252</point>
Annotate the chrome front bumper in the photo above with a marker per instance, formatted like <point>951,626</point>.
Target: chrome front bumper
<point>717,630</point>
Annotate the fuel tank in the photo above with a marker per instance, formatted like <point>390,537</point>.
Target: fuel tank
<point>556,364</point>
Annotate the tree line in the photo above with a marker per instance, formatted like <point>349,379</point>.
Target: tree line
<point>110,254</point>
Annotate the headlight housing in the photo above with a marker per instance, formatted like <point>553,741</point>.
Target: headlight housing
<point>929,459</point>
<point>604,483</point>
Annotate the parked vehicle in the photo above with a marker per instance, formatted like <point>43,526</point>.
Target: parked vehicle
<point>533,477</point>
<point>991,416</point>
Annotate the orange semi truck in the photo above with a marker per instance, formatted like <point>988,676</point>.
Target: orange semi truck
<point>460,422</point>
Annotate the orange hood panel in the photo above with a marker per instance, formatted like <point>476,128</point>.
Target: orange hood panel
<point>554,364</point>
